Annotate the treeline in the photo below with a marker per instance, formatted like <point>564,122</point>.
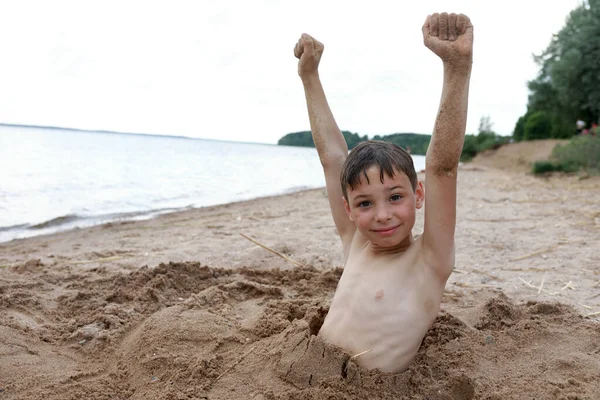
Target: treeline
<point>566,92</point>
<point>485,139</point>
<point>417,143</point>
<point>567,87</point>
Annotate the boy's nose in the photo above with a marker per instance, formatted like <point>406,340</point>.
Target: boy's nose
<point>383,214</point>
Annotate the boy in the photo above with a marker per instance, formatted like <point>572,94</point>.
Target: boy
<point>392,285</point>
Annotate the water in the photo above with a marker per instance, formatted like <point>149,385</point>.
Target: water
<point>53,179</point>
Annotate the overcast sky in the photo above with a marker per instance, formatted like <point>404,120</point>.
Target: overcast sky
<point>225,69</point>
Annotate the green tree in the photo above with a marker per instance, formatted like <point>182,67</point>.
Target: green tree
<point>519,132</point>
<point>538,126</point>
<point>567,85</point>
<point>485,125</point>
<point>305,139</point>
<point>485,139</point>
<point>417,143</point>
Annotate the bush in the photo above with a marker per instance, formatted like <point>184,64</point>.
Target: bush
<point>519,132</point>
<point>469,148</point>
<point>542,167</point>
<point>482,142</point>
<point>537,126</point>
<point>582,152</point>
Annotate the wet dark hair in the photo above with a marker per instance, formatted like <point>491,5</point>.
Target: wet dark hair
<point>389,157</point>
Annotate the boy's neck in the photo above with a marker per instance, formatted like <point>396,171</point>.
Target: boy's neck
<point>397,249</point>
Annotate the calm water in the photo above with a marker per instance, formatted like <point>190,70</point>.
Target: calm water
<point>52,179</point>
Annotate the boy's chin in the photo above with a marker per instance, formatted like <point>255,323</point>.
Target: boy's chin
<point>388,242</point>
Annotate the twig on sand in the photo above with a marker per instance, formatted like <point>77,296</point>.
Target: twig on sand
<point>360,354</point>
<point>536,253</point>
<point>236,363</point>
<point>584,306</point>
<point>593,297</point>
<point>594,314</point>
<point>596,284</point>
<point>568,286</point>
<point>273,251</point>
<point>537,288</point>
<point>542,284</point>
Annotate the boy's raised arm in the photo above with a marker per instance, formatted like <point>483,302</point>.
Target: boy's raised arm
<point>329,141</point>
<point>449,36</point>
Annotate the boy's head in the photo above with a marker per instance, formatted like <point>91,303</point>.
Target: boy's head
<point>389,157</point>
<point>381,192</point>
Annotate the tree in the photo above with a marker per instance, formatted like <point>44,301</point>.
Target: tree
<point>538,126</point>
<point>519,132</point>
<point>485,125</point>
<point>305,139</point>
<point>567,85</point>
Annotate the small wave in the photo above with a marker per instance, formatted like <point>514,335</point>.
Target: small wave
<point>133,215</point>
<point>63,219</point>
<point>12,227</point>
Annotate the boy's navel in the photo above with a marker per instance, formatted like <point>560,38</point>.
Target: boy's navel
<point>379,295</point>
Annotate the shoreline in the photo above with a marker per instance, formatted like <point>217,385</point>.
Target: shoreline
<point>106,218</point>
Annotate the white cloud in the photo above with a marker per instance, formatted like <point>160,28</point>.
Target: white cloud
<point>226,70</point>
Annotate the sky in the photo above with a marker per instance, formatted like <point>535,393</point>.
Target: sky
<point>225,69</point>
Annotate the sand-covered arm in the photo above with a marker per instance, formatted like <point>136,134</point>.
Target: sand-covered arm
<point>328,138</point>
<point>450,36</point>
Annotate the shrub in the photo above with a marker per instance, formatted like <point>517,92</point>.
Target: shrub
<point>519,132</point>
<point>542,167</point>
<point>538,126</point>
<point>582,152</point>
<point>469,148</point>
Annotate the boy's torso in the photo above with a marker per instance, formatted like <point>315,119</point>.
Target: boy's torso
<point>384,304</point>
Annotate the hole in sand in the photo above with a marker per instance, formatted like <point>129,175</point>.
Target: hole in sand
<point>315,320</point>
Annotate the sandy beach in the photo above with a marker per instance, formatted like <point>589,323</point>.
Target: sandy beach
<point>184,307</point>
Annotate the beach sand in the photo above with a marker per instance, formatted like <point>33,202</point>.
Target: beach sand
<point>184,307</point>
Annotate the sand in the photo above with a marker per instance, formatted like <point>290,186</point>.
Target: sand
<point>184,307</point>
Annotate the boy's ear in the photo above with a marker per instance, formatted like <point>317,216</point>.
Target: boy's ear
<point>420,194</point>
<point>347,208</point>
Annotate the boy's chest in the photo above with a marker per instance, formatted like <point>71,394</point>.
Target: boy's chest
<point>386,285</point>
<point>378,303</point>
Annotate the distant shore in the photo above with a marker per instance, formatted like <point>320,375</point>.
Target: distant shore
<point>49,127</point>
<point>62,128</point>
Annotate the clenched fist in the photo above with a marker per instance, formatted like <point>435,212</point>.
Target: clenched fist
<point>450,36</point>
<point>309,51</point>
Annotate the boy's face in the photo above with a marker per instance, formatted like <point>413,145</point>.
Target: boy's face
<point>384,212</point>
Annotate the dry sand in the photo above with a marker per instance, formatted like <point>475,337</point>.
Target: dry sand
<point>183,307</point>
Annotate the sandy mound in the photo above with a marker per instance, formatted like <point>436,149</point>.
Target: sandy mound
<point>517,156</point>
<point>186,331</point>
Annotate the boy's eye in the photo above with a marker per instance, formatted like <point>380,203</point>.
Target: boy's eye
<point>364,204</point>
<point>396,197</point>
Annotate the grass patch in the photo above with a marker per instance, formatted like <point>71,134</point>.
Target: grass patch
<point>582,153</point>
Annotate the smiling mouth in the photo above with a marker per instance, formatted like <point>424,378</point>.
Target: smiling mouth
<point>386,231</point>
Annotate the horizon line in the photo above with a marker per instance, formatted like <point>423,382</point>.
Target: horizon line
<point>27,126</point>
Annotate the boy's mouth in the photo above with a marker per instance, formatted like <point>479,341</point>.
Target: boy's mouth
<point>386,231</point>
